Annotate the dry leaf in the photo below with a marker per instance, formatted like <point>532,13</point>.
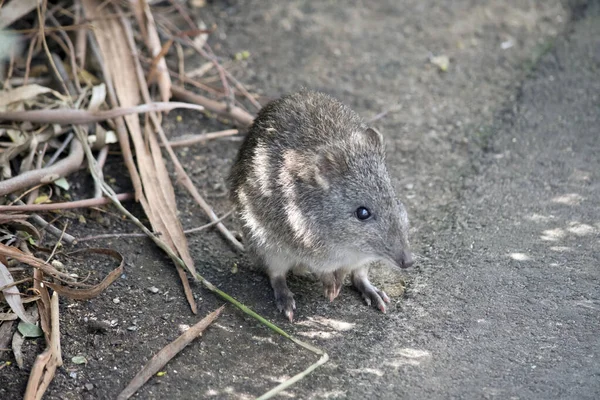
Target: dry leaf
<point>5,334</point>
<point>200,40</point>
<point>14,10</point>
<point>98,97</point>
<point>12,294</point>
<point>198,3</point>
<point>150,34</point>
<point>17,345</point>
<point>23,93</point>
<point>8,317</point>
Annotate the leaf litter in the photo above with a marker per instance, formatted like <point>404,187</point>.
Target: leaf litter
<point>81,84</point>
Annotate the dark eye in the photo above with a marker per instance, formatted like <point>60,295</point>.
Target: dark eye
<point>363,213</point>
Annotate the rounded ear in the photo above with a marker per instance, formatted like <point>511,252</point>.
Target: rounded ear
<point>311,168</point>
<point>374,138</point>
<point>326,165</point>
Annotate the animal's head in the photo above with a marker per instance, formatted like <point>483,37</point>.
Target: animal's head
<point>343,192</point>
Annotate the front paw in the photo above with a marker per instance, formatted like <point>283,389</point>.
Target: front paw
<point>370,293</point>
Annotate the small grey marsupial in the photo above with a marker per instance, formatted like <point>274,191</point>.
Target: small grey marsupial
<point>311,189</point>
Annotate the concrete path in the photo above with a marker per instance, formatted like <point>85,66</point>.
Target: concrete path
<point>515,302</point>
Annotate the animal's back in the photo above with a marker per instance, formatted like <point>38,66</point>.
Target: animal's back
<point>302,121</point>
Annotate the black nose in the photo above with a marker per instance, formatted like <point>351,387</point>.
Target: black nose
<point>406,259</point>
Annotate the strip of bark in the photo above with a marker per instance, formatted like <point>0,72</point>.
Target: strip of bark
<point>202,137</point>
<point>66,205</point>
<point>73,116</point>
<point>161,358</point>
<point>45,175</point>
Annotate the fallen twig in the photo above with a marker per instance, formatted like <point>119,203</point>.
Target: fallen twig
<point>126,235</point>
<point>235,113</point>
<point>66,205</point>
<point>73,116</point>
<point>46,363</point>
<point>45,175</point>
<point>161,358</point>
<point>202,137</point>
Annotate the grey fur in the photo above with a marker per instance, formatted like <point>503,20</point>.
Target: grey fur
<point>306,165</point>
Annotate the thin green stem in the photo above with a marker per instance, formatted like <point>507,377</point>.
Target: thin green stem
<point>107,190</point>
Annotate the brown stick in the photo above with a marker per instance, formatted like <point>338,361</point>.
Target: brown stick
<point>133,235</point>
<point>161,358</point>
<point>71,116</point>
<point>202,137</point>
<point>102,154</point>
<point>80,37</point>
<point>71,52</point>
<point>67,205</point>
<point>51,229</point>
<point>46,175</point>
<point>46,363</point>
<point>237,114</point>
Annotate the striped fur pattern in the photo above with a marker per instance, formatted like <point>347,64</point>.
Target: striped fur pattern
<point>306,165</point>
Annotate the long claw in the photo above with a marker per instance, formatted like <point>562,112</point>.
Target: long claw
<point>384,296</point>
<point>370,293</point>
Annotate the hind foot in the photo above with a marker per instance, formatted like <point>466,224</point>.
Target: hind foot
<point>332,283</point>
<point>284,298</point>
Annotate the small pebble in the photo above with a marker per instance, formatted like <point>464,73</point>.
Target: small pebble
<point>132,328</point>
<point>409,186</point>
<point>183,328</point>
<point>89,386</point>
<point>95,326</point>
<point>442,62</point>
<point>506,45</point>
<point>153,289</point>
<point>73,375</point>
<point>116,300</point>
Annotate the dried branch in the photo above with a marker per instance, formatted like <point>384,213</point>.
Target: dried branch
<point>240,116</point>
<point>202,137</point>
<point>79,117</point>
<point>161,358</point>
<point>46,363</point>
<point>45,175</point>
<point>95,202</point>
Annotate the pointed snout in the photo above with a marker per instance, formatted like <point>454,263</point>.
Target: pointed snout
<point>405,259</point>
